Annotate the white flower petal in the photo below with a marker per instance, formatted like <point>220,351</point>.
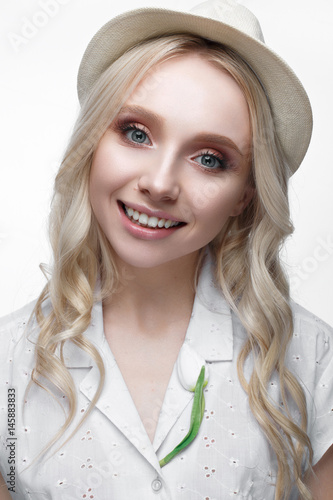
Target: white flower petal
<point>189,365</point>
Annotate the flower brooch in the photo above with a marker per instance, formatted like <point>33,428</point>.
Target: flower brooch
<point>193,375</point>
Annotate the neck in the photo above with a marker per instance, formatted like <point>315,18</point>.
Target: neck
<point>154,299</point>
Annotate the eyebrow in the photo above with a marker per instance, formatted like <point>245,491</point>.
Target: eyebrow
<point>203,137</point>
<point>149,115</point>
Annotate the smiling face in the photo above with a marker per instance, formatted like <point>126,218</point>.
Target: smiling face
<point>174,164</point>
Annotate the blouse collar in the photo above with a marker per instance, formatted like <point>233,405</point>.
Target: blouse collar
<point>209,331</point>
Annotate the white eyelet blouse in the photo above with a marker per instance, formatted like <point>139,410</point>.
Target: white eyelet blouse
<point>111,456</point>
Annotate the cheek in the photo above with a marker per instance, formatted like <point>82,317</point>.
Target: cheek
<point>98,184</point>
<point>214,202</point>
<point>109,171</point>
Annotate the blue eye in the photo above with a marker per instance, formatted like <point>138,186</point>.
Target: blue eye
<point>136,135</point>
<point>212,161</point>
<point>132,132</point>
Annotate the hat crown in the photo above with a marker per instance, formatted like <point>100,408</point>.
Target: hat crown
<point>231,13</point>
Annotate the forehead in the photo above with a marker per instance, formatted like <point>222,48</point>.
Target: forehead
<point>185,67</point>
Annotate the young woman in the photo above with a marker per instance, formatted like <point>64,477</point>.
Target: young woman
<point>164,357</point>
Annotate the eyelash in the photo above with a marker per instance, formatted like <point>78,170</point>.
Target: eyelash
<point>223,162</point>
<point>127,127</point>
<point>130,126</point>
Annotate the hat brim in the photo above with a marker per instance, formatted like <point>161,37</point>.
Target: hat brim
<point>288,100</point>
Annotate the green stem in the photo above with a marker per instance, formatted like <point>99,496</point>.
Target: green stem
<point>197,414</point>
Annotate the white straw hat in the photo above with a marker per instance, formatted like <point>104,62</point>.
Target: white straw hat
<point>226,22</point>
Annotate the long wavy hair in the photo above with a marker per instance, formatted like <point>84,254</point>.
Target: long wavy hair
<point>248,268</point>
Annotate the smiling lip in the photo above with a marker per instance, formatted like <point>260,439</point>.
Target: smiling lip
<point>151,213</point>
<point>142,231</point>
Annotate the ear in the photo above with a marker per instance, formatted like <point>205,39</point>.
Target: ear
<point>244,200</point>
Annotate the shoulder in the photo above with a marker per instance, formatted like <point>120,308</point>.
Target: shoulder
<point>19,315</point>
<point>19,333</point>
<point>16,329</point>
<point>312,335</point>
<point>14,333</point>
<point>12,324</point>
<point>308,320</point>
<point>16,351</point>
<point>311,356</point>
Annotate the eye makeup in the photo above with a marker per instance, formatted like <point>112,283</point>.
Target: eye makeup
<point>124,127</point>
<point>212,161</point>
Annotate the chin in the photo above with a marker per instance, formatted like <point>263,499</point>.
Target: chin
<point>148,259</point>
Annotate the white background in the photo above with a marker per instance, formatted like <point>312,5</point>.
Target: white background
<point>39,106</point>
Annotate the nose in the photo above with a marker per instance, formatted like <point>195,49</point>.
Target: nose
<point>160,180</point>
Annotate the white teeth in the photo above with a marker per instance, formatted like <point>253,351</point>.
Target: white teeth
<point>145,220</point>
<point>152,221</point>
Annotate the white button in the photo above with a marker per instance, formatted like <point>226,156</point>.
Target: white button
<point>156,484</point>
